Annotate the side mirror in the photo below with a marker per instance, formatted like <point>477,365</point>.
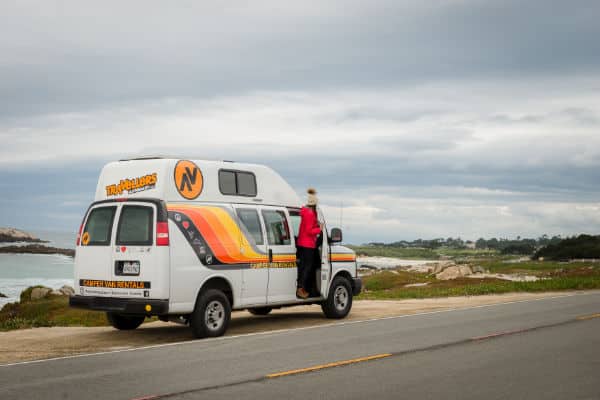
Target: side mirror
<point>336,235</point>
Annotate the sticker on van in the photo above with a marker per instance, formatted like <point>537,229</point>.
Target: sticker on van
<point>133,185</point>
<point>188,179</point>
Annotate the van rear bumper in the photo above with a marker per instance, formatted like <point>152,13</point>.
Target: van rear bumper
<point>120,305</point>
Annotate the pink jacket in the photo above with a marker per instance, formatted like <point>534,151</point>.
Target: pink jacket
<point>309,228</point>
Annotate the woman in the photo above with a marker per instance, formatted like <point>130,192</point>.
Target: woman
<point>307,243</point>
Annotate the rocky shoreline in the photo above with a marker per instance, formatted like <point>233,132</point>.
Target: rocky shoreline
<point>36,249</point>
<point>12,235</point>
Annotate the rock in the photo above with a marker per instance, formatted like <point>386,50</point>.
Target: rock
<point>465,270</point>
<point>449,273</point>
<point>453,272</point>
<point>367,266</point>
<point>36,249</point>
<point>56,293</point>
<point>16,235</point>
<point>478,269</point>
<point>3,295</point>
<point>39,293</point>
<point>67,290</point>
<point>417,284</point>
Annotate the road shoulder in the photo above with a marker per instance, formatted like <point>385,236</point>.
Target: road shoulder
<point>43,343</point>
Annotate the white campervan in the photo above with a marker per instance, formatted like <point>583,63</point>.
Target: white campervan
<point>191,240</point>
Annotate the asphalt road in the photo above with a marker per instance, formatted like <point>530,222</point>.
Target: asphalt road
<point>543,349</point>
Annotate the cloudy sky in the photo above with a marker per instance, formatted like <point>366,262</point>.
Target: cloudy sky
<point>424,119</point>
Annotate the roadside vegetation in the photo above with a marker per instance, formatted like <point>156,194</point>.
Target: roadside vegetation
<point>544,258</point>
<point>52,310</point>
<point>392,284</point>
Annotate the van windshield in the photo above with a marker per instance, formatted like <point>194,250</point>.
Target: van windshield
<point>135,226</point>
<point>99,227</point>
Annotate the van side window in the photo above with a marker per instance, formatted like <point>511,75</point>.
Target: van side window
<point>250,220</point>
<point>135,226</point>
<point>278,231</point>
<point>295,219</point>
<point>99,226</point>
<point>227,182</point>
<point>237,183</point>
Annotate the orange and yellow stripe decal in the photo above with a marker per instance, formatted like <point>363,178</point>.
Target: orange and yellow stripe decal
<point>343,257</point>
<point>224,236</point>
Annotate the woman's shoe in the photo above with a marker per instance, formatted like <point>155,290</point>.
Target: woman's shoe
<point>301,293</point>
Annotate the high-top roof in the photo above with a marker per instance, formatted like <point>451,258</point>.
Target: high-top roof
<point>184,180</point>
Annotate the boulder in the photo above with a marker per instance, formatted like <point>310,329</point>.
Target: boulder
<point>465,270</point>
<point>67,290</point>
<point>56,293</point>
<point>3,295</point>
<point>439,267</point>
<point>40,292</point>
<point>449,273</point>
<point>453,272</point>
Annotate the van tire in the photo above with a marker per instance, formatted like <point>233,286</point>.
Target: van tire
<point>211,315</point>
<point>260,310</point>
<point>339,299</point>
<point>124,322</point>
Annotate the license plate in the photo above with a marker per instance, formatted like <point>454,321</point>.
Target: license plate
<point>131,267</point>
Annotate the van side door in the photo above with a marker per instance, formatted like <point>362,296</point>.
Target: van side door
<point>252,242</point>
<point>282,255</point>
<point>325,270</point>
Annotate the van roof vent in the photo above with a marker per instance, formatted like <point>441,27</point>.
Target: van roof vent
<point>143,158</point>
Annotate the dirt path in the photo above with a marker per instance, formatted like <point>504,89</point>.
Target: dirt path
<point>41,343</point>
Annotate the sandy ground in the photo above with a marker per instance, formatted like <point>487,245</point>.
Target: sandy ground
<point>41,343</point>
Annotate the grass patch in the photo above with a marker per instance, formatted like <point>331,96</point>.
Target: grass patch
<point>383,285</point>
<point>539,268</point>
<point>50,311</point>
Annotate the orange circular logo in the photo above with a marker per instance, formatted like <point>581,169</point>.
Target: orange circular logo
<point>85,239</point>
<point>188,179</point>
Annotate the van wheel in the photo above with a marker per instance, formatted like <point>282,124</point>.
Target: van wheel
<point>124,322</point>
<point>211,315</point>
<point>339,300</point>
<point>260,310</point>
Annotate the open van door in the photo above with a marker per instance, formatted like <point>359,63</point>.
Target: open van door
<point>325,260</point>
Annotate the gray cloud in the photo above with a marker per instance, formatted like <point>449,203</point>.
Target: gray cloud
<point>425,118</point>
<point>66,56</point>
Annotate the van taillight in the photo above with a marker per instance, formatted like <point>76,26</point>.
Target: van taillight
<point>79,235</point>
<point>162,233</point>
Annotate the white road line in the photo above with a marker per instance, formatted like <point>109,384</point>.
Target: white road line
<point>280,331</point>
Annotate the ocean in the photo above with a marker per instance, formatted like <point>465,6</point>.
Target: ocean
<point>19,271</point>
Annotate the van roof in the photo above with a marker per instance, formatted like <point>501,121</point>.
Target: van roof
<point>182,180</point>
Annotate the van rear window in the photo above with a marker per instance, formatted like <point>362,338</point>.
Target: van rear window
<point>99,226</point>
<point>135,226</point>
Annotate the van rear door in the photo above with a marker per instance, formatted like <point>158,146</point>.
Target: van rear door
<point>124,250</point>
<point>140,261</point>
<point>94,252</point>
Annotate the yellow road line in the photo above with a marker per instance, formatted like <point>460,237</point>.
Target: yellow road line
<point>330,365</point>
<point>583,318</point>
